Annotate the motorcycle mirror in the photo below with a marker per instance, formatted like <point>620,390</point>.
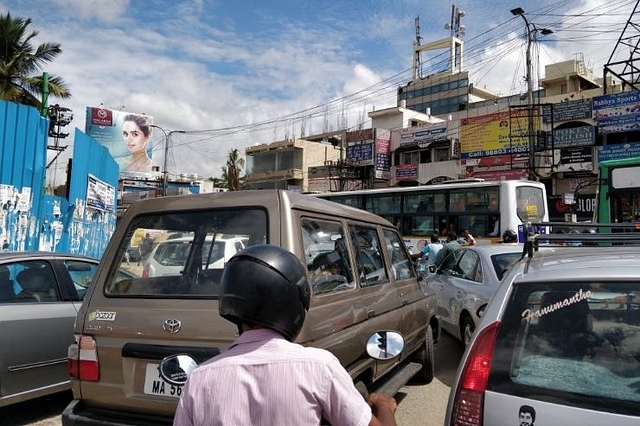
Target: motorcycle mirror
<point>175,369</point>
<point>385,345</point>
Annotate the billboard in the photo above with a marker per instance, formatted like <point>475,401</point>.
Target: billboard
<point>618,112</point>
<point>501,133</point>
<point>126,135</point>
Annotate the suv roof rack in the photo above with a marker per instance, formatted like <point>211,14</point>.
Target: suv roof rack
<point>597,234</point>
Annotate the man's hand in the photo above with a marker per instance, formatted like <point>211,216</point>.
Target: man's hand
<point>383,408</point>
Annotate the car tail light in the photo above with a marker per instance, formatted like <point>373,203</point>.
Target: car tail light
<point>145,271</point>
<point>82,359</point>
<point>469,397</point>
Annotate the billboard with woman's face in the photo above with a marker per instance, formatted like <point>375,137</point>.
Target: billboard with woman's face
<point>126,135</point>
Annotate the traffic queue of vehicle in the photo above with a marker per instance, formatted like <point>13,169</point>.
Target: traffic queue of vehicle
<point>550,326</point>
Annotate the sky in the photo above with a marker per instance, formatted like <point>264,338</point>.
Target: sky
<point>232,74</point>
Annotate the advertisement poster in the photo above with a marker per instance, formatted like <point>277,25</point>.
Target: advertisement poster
<point>618,112</point>
<point>496,134</point>
<point>423,135</point>
<point>360,147</point>
<point>100,195</point>
<point>126,135</point>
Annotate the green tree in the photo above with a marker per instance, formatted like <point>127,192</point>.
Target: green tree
<point>231,171</point>
<point>19,61</point>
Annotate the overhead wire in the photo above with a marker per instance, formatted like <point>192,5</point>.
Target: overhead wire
<point>382,90</point>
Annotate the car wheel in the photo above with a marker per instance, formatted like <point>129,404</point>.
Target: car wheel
<point>426,357</point>
<point>466,330</point>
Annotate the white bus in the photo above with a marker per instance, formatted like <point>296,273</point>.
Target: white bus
<point>486,208</point>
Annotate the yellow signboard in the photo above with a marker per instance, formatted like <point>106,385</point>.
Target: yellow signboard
<point>496,134</point>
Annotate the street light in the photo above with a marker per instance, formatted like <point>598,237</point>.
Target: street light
<point>167,139</point>
<point>531,30</point>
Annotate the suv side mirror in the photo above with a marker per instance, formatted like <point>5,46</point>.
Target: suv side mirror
<point>175,369</point>
<point>385,345</point>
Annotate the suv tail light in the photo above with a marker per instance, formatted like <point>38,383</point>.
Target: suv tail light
<point>469,397</point>
<point>82,359</point>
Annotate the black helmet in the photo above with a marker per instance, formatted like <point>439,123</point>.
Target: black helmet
<point>509,236</point>
<point>266,285</point>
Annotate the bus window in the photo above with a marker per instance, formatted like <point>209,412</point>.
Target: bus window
<point>385,205</point>
<point>439,202</point>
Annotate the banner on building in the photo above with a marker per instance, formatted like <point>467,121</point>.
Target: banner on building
<point>360,148</point>
<point>383,154</point>
<point>126,135</point>
<point>619,112</point>
<point>423,135</point>
<point>407,172</point>
<point>618,151</point>
<point>569,110</point>
<point>575,136</point>
<point>496,134</point>
<point>573,159</point>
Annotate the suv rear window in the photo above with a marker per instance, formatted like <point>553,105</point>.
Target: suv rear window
<point>579,342</point>
<point>183,254</point>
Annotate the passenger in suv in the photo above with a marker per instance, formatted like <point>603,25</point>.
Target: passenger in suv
<point>560,338</point>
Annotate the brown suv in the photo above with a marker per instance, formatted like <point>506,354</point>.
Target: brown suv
<point>362,277</point>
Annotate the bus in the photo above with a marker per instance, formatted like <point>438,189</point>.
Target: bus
<point>486,208</point>
<point>618,196</point>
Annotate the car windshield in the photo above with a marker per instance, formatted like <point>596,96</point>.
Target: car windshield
<point>183,253</point>
<point>503,261</point>
<point>578,338</point>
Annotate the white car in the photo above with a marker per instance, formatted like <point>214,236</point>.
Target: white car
<point>169,257</point>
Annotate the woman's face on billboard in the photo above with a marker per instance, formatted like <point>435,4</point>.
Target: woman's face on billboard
<point>134,138</point>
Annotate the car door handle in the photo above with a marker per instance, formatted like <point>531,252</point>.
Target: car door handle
<point>371,314</point>
<point>405,302</point>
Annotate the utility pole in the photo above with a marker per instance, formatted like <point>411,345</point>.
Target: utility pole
<point>531,30</point>
<point>167,141</point>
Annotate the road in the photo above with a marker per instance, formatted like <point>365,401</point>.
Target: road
<point>417,405</point>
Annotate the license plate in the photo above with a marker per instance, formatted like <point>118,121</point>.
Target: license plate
<point>154,385</point>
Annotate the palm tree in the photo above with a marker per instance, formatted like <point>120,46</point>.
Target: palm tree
<point>19,60</point>
<point>231,171</point>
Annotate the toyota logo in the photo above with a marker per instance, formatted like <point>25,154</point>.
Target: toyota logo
<point>172,325</point>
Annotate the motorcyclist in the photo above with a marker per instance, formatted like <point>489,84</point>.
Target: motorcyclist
<point>264,377</point>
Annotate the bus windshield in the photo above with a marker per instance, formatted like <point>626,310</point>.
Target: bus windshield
<point>485,208</point>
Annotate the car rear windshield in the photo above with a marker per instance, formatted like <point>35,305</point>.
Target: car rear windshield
<point>575,342</point>
<point>503,261</point>
<point>183,253</point>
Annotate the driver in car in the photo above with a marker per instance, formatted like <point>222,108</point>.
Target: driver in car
<point>265,378</point>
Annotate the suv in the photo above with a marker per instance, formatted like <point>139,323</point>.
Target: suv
<point>558,344</point>
<point>362,277</point>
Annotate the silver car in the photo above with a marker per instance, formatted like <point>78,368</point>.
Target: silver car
<point>169,256</point>
<point>558,345</point>
<point>465,285</point>
<point>40,294</point>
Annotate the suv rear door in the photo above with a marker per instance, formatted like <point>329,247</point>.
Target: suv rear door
<point>568,352</point>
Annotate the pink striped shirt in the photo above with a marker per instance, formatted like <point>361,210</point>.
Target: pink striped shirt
<point>263,379</point>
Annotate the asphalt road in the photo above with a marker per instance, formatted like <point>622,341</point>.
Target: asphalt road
<point>422,405</point>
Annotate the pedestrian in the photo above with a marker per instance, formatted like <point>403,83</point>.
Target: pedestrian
<point>446,258</point>
<point>264,377</point>
<point>144,248</point>
<point>468,238</point>
<point>430,251</point>
<point>5,246</point>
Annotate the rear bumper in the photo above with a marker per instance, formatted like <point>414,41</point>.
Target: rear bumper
<point>78,414</point>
